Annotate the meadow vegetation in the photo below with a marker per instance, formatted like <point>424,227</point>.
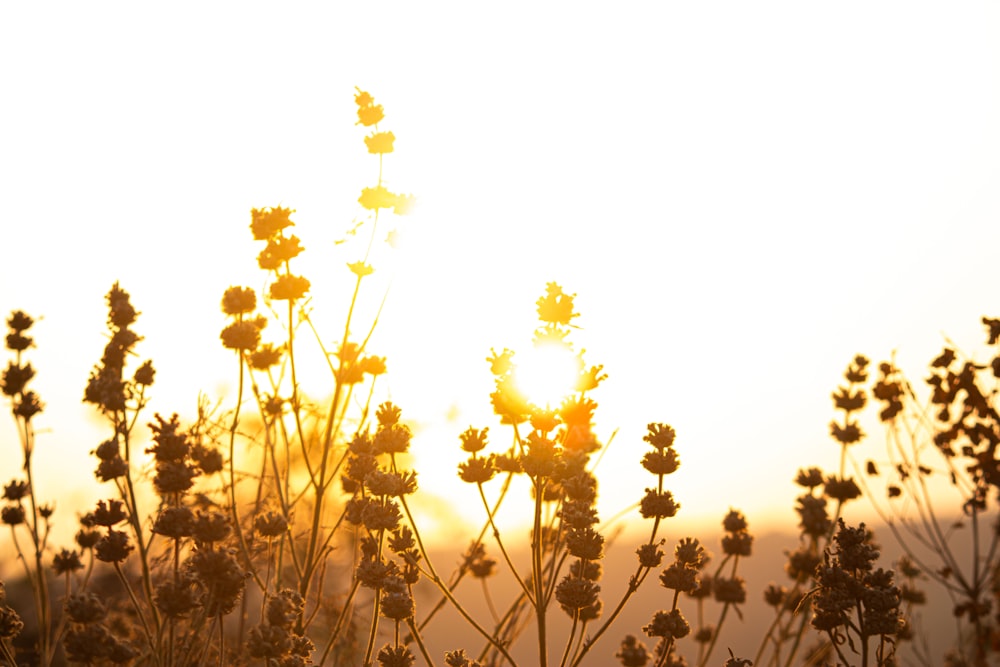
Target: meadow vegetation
<point>279,530</point>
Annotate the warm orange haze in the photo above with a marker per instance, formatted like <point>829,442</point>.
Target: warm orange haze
<point>498,251</point>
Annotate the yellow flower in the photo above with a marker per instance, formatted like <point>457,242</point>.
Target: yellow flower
<point>360,269</point>
<point>404,204</point>
<point>369,113</point>
<point>289,288</point>
<point>266,222</point>
<point>380,142</point>
<point>376,198</point>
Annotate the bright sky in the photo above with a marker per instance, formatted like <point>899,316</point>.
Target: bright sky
<point>742,195</point>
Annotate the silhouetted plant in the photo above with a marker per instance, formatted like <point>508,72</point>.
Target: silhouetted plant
<point>942,473</point>
<point>280,531</point>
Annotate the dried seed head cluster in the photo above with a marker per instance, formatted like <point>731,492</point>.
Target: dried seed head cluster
<point>853,596</point>
<point>662,461</point>
<point>850,400</point>
<point>275,639</point>
<point>379,143</point>
<point>738,541</point>
<point>10,622</point>
<point>89,638</point>
<point>108,388</point>
<point>17,375</point>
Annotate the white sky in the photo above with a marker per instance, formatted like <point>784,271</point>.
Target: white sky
<point>743,195</point>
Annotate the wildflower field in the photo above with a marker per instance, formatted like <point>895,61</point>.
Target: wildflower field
<point>278,528</point>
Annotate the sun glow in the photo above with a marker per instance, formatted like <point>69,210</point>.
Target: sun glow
<point>547,373</point>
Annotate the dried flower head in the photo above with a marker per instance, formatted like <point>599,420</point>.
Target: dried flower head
<point>284,607</point>
<point>659,505</point>
<point>585,543</point>
<point>288,287</point>
<point>15,490</point>
<point>474,440</point>
<point>211,527</point>
<point>393,439</point>
<point>650,555</point>
<point>388,415</point>
<point>109,513</point>
<point>278,251</point>
<point>265,356</point>
<point>270,524</point>
<point>842,489</point>
<point>810,478</point>
<point>690,552</point>
<point>376,198</point>
<point>732,590</point>
<point>10,623</point>
<point>380,143</point>
<point>144,375</point>
<point>632,652</point>
<point>86,608</point>
<point>66,561</point>
<point>660,436</point>
<point>15,378</point>
<point>369,113</point>
<point>555,306</point>
<point>243,335</point>
<point>395,656</point>
<point>267,222</point>
<point>174,522</point>
<point>113,547</point>
<point>574,593</point>
<point>679,577</point>
<point>668,624</point>
<point>734,522</point>
<point>396,602</point>
<point>239,301</point>
<point>477,470</point>
<point>176,599</point>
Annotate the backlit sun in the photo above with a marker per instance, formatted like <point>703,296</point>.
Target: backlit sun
<point>547,373</point>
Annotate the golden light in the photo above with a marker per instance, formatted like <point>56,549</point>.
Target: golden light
<point>547,373</point>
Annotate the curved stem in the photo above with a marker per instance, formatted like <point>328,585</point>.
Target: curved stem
<point>503,549</point>
<point>234,508</point>
<point>433,576</point>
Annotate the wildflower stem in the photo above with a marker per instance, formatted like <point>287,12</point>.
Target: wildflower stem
<point>433,575</point>
<point>797,639</point>
<point>509,619</point>
<point>373,629</point>
<point>463,569</point>
<point>569,639</point>
<point>8,654</point>
<point>40,585</point>
<point>633,585</point>
<point>335,633</point>
<point>664,658</point>
<point>319,487</point>
<point>537,546</point>
<point>415,633</point>
<point>133,518</point>
<point>234,508</point>
<point>503,549</point>
<point>489,602</point>
<point>715,634</point>
<point>138,609</point>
